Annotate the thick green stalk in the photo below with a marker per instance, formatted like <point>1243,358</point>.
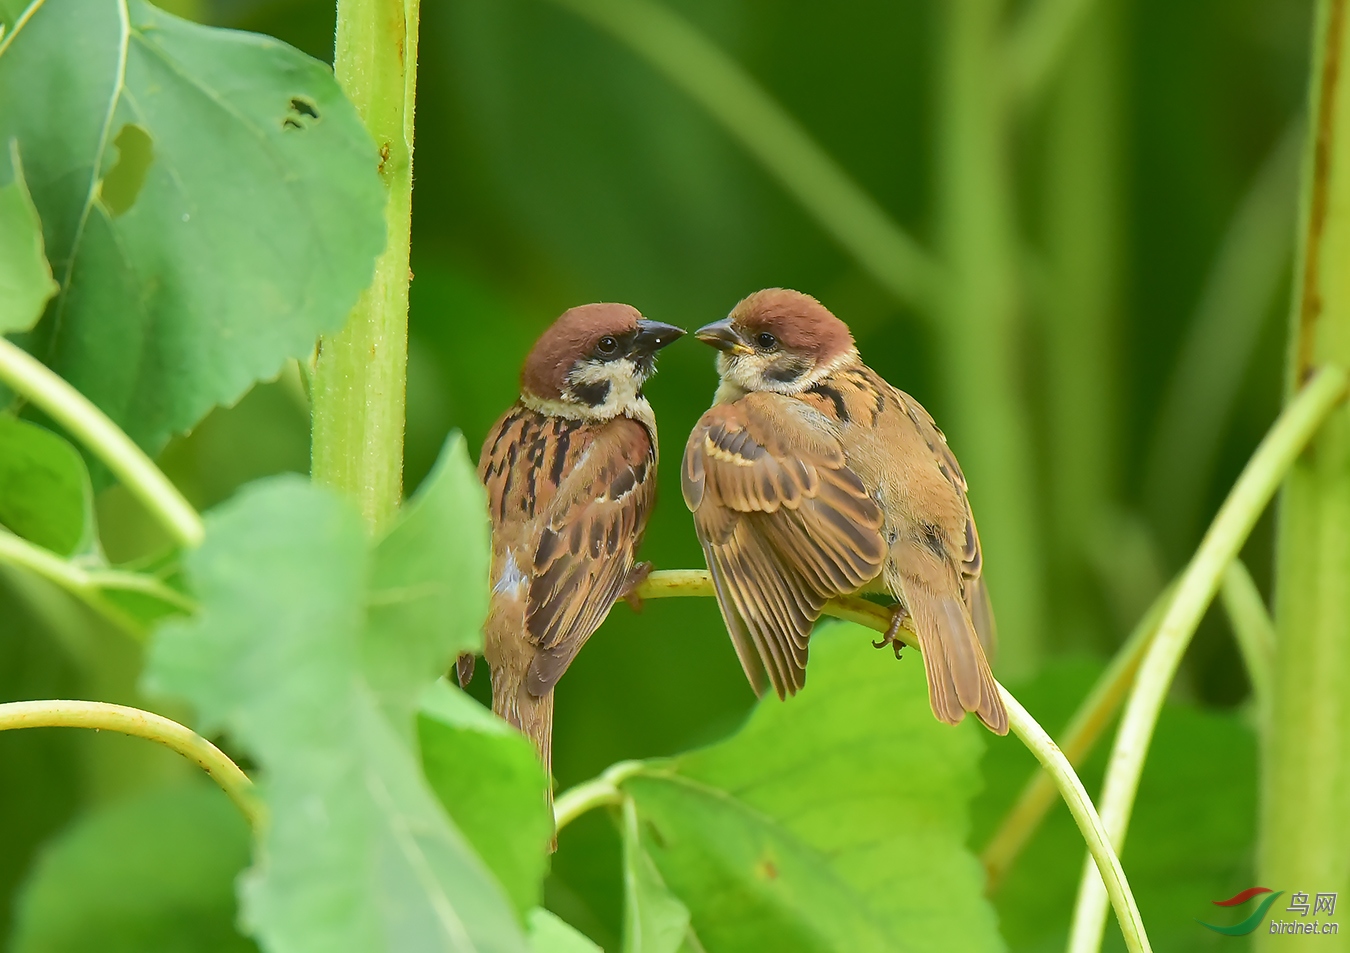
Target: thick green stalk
<point>982,344</point>
<point>360,379</point>
<point>1079,315</point>
<point>1305,824</point>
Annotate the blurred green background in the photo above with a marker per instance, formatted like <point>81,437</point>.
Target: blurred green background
<point>1138,235</point>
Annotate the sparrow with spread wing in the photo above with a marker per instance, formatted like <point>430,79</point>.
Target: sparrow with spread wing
<point>811,477</point>
<point>570,472</point>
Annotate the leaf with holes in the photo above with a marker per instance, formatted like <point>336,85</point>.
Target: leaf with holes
<point>210,203</point>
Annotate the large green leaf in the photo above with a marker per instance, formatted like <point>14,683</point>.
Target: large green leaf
<point>429,583</point>
<point>490,780</point>
<point>835,820</point>
<point>209,198</point>
<point>357,854</point>
<point>45,495</point>
<point>25,277</point>
<point>155,872</point>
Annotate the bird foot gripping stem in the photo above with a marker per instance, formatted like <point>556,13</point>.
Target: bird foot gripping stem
<point>899,616</point>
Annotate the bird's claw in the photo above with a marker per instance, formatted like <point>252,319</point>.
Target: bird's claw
<point>898,618</point>
<point>636,577</point>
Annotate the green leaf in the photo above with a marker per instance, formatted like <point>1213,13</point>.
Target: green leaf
<point>548,934</point>
<point>155,872</point>
<point>210,202</point>
<point>357,854</point>
<point>490,780</point>
<point>835,820</point>
<point>45,494</point>
<point>654,920</point>
<point>429,583</point>
<point>25,277</point>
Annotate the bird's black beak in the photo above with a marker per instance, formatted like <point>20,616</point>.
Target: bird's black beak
<point>653,335</point>
<point>721,335</point>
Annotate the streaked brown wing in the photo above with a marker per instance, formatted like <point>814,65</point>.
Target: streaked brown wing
<point>587,538</point>
<point>785,526</point>
<point>973,589</point>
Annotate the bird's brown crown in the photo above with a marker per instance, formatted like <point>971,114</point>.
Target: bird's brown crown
<point>569,339</point>
<point>800,322</point>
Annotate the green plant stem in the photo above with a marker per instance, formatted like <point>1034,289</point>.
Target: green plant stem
<point>1089,823</point>
<point>597,792</point>
<point>1253,630</point>
<point>1196,589</point>
<point>1081,735</point>
<point>1037,43</point>
<point>692,582</point>
<point>746,112</point>
<point>101,716</point>
<point>1304,839</point>
<point>46,390</point>
<point>360,379</point>
<point>89,585</point>
<point>982,337</point>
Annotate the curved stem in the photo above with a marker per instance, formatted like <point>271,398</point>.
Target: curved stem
<point>694,582</point>
<point>88,585</point>
<point>597,792</point>
<point>1254,631</point>
<point>1080,806</point>
<point>1080,737</point>
<point>775,139</point>
<point>46,389</point>
<point>61,713</point>
<point>1230,529</point>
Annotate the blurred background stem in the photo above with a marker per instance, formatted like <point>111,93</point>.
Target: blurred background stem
<point>360,379</point>
<point>1305,827</point>
<point>1082,225</point>
<point>981,340</point>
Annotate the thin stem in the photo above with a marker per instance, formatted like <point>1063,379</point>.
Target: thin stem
<point>1037,44</point>
<point>45,389</point>
<point>360,379</point>
<point>1080,806</point>
<point>750,115</point>
<point>693,582</point>
<point>1089,723</point>
<point>60,713</point>
<point>597,792</point>
<point>1199,582</point>
<point>89,585</point>
<point>1254,631</point>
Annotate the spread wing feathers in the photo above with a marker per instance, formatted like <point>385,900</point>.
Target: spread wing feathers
<point>576,496</point>
<point>785,525</point>
<point>973,589</point>
<point>590,532</point>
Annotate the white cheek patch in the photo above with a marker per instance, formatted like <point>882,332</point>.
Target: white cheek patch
<point>511,581</point>
<point>623,377</point>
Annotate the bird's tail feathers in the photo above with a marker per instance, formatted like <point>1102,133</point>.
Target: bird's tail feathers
<point>532,715</point>
<point>959,677</point>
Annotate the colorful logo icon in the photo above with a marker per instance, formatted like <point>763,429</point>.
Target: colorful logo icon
<point>1250,924</point>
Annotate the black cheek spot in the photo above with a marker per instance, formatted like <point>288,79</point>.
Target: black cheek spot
<point>593,394</point>
<point>786,370</point>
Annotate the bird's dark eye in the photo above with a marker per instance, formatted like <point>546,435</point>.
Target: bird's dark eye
<point>607,345</point>
<point>766,340</point>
